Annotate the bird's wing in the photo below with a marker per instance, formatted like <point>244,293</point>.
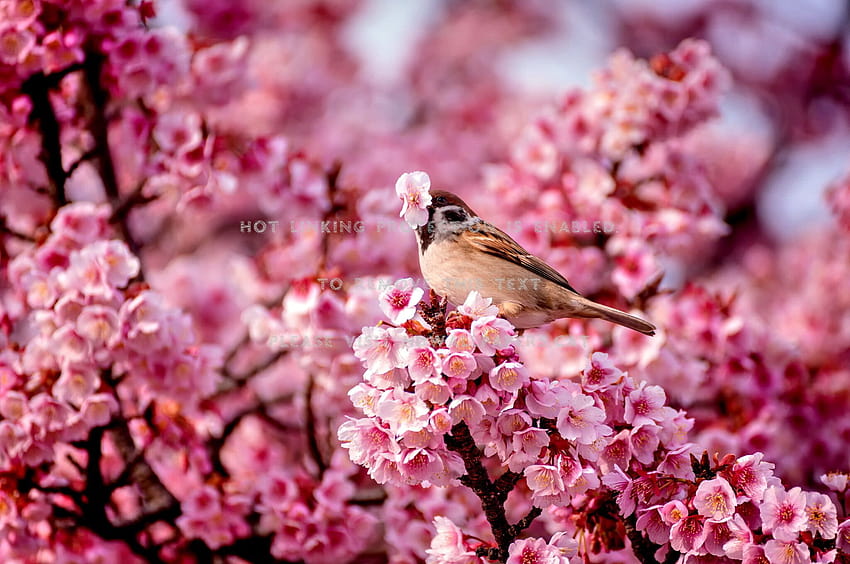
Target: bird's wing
<point>493,241</point>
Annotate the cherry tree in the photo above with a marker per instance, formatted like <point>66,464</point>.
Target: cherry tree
<point>217,345</point>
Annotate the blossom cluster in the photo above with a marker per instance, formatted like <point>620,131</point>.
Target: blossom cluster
<point>307,520</point>
<point>574,441</point>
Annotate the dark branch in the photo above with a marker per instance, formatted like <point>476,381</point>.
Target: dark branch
<point>87,156</point>
<point>491,494</point>
<point>312,439</point>
<point>643,548</point>
<point>37,88</point>
<point>99,126</point>
<point>526,521</point>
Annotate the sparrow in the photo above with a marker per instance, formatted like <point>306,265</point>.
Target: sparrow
<point>460,252</point>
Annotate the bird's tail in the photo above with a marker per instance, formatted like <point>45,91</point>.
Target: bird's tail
<point>593,309</point>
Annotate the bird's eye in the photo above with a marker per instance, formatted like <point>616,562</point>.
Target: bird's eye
<point>440,200</point>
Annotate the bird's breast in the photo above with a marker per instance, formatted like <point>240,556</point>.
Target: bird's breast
<point>453,270</point>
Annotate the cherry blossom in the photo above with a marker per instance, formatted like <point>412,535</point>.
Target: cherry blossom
<point>398,302</point>
<point>412,188</point>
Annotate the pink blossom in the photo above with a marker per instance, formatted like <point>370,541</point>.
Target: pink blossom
<point>842,538</point>
<point>459,365</point>
<point>600,373</point>
<point>48,413</point>
<point>783,513</point>
<point>635,266</point>
<point>434,390</point>
<point>821,515</point>
<point>41,289</point>
<point>178,132</point>
<point>402,411</point>
<point>76,384</point>
<point>448,545</point>
<point>741,538</point>
<point>86,274</point>
<point>525,448</point>
<point>542,398</point>
<point>718,533</point>
<point>580,420</point>
<point>534,153</point>
<point>466,408</point>
<point>460,340</point>
<point>219,70</point>
<point>673,511</point>
<point>422,362</point>
<point>98,324</point>
<point>544,480</point>
<point>492,334</point>
<point>15,44</point>
<point>477,306</point>
<point>688,534</point>
<point>61,49</point>
<point>365,398</point>
<point>786,552</point>
<point>651,522</point>
<point>836,481</point>
<point>643,442</point>
<point>398,302</point>
<point>749,474</point>
<point>754,554</point>
<point>715,499</point>
<point>644,405</point>
<point>364,438</point>
<point>381,349</point>
<point>587,480</point>
<point>71,346</point>
<point>418,465</point>
<point>98,409</point>
<point>440,421</point>
<point>82,222</point>
<point>509,377</point>
<point>13,405</point>
<point>677,462</point>
<point>413,189</point>
<point>617,452</point>
<point>393,378</point>
<point>213,518</point>
<point>533,551</point>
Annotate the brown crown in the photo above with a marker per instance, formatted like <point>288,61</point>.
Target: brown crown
<point>450,200</point>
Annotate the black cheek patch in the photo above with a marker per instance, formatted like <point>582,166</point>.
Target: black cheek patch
<point>454,216</point>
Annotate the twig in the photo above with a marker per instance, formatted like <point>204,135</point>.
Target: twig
<point>312,440</point>
<point>526,521</point>
<point>123,208</point>
<point>87,156</point>
<point>6,230</point>
<point>332,176</point>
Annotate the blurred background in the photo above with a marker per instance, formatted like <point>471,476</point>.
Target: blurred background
<point>758,339</point>
<point>353,66</point>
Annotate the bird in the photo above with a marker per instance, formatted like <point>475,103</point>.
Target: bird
<point>460,252</point>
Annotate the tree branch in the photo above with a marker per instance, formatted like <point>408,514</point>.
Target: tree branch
<point>491,494</point>
<point>37,88</point>
<point>312,440</point>
<point>92,68</point>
